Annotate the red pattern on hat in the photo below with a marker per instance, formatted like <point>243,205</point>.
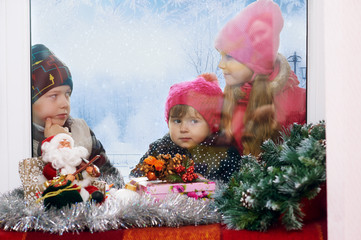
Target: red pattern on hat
<point>48,72</point>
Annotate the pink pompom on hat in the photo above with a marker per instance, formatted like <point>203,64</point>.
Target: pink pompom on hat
<point>252,37</point>
<point>203,94</point>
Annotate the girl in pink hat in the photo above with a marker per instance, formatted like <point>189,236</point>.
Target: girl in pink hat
<point>261,93</point>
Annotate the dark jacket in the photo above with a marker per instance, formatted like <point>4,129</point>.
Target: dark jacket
<point>211,161</point>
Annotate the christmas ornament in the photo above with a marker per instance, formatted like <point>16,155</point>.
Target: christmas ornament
<point>179,168</point>
<point>124,196</point>
<point>139,212</point>
<point>151,176</point>
<point>61,192</point>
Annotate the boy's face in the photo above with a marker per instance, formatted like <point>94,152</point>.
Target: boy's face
<point>189,130</point>
<point>54,104</point>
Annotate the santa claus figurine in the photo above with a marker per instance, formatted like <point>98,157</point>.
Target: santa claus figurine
<point>63,160</point>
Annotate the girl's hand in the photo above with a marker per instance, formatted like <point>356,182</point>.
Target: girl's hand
<point>53,129</point>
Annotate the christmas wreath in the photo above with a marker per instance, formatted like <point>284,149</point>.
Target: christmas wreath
<point>270,187</point>
<point>177,169</point>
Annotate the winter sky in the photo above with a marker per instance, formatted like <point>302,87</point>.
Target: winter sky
<point>125,54</point>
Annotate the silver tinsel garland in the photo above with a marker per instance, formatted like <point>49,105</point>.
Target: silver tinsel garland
<point>174,211</point>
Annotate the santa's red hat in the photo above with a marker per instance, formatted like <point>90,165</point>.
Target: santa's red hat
<point>54,141</point>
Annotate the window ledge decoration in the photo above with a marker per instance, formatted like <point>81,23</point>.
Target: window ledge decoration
<point>276,186</point>
<point>265,191</point>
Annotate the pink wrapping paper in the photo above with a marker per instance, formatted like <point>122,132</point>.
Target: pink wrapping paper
<point>159,189</point>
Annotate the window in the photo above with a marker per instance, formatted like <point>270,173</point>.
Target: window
<point>124,56</point>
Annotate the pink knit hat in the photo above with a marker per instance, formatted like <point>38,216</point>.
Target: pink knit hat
<point>252,36</point>
<point>203,94</point>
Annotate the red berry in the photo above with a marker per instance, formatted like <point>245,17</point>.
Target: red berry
<point>151,176</point>
<point>180,169</point>
<point>185,177</point>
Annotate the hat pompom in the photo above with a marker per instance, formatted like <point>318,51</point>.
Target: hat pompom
<point>210,77</point>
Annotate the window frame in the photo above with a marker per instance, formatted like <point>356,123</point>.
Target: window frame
<point>15,100</point>
<point>15,74</point>
<point>15,70</point>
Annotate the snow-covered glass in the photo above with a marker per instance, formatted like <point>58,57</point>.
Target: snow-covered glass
<point>125,54</point>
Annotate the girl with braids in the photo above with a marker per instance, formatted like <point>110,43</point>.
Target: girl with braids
<point>262,95</point>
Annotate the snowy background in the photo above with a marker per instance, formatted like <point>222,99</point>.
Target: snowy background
<point>125,54</point>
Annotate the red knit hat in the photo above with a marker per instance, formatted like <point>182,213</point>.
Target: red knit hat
<point>47,72</point>
<point>203,94</point>
<point>252,37</point>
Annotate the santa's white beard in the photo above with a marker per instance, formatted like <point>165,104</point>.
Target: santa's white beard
<point>66,159</point>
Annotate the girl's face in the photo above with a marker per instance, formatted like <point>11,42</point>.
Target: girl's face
<point>234,72</point>
<point>189,130</point>
<point>54,104</point>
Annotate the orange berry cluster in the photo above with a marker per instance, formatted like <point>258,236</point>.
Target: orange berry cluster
<point>164,165</point>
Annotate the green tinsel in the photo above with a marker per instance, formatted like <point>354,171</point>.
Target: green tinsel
<point>271,187</point>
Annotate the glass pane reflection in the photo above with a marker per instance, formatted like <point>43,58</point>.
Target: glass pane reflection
<point>124,56</point>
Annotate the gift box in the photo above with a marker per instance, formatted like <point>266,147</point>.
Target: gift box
<point>200,189</point>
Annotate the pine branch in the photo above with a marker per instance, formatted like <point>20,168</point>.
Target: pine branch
<point>274,184</point>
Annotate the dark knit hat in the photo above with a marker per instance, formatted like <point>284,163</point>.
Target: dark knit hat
<point>47,72</point>
<point>203,94</point>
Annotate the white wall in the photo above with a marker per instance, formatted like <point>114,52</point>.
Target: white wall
<point>334,62</point>
<point>15,101</point>
<point>343,116</point>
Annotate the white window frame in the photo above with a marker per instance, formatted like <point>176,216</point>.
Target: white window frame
<point>15,78</point>
<point>15,100</point>
<point>15,104</point>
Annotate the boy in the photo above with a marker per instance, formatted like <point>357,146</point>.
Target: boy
<point>52,87</point>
